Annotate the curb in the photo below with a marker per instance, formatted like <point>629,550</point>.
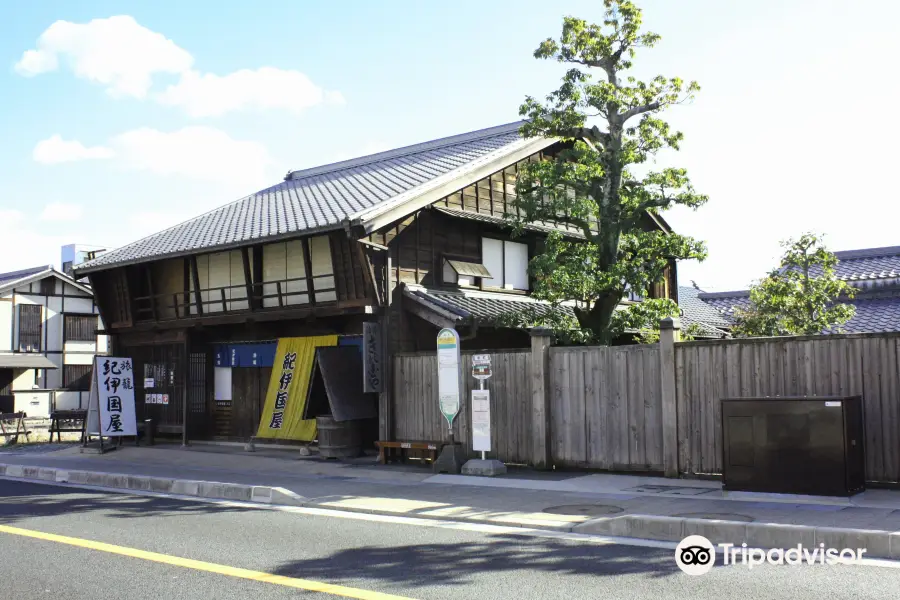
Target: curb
<point>182,487</point>
<point>878,544</point>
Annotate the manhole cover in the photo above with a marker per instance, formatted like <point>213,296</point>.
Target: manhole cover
<point>717,516</point>
<point>588,510</point>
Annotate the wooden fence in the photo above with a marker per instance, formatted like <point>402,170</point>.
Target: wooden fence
<point>835,365</point>
<point>417,415</point>
<point>605,407</point>
<point>616,408</point>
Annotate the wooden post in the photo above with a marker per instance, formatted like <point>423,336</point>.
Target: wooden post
<point>185,386</point>
<point>669,333</point>
<point>385,398</point>
<point>540,397</point>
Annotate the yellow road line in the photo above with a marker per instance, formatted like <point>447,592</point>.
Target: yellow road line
<point>199,565</point>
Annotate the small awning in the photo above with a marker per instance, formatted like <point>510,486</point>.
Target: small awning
<point>25,360</point>
<point>468,268</point>
<point>336,387</point>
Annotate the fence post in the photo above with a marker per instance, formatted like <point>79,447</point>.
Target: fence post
<point>669,333</point>
<point>540,397</point>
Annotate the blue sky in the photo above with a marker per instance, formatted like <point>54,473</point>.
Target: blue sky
<point>116,128</point>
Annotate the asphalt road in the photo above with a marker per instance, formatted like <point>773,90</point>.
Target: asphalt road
<point>365,556</point>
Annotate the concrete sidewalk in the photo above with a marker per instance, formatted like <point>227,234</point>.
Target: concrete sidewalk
<point>602,504</point>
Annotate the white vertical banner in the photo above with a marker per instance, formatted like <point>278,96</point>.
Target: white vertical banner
<point>481,420</point>
<point>114,395</point>
<point>448,374</point>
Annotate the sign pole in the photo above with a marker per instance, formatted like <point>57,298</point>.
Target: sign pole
<point>481,421</point>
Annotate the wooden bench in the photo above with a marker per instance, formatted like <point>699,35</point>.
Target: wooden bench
<point>16,420</point>
<point>69,421</point>
<point>400,450</point>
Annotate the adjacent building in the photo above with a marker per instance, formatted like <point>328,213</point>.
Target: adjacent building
<point>874,272</point>
<point>410,240</point>
<point>50,331</point>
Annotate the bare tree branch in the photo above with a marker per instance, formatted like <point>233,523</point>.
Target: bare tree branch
<point>639,110</point>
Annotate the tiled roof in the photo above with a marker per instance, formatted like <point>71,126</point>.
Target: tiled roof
<point>876,310</point>
<point>871,263</point>
<point>16,275</point>
<point>699,313</point>
<point>324,197</point>
<point>479,306</point>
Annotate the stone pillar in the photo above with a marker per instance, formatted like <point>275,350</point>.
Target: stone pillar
<point>540,397</point>
<point>669,333</point>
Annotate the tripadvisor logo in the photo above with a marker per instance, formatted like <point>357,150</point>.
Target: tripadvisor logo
<point>696,555</point>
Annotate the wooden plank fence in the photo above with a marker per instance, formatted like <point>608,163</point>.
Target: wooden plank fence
<point>417,415</point>
<point>605,408</point>
<point>606,404</point>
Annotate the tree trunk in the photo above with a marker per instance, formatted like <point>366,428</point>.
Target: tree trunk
<point>598,318</point>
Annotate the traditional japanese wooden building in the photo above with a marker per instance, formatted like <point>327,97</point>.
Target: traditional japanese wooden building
<point>413,239</point>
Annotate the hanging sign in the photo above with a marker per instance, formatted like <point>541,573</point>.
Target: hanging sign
<point>481,366</point>
<point>372,350</point>
<point>111,405</point>
<point>448,374</point>
<point>481,420</point>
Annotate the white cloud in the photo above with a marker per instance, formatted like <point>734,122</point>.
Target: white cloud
<point>33,246</point>
<point>209,95</point>
<point>116,52</point>
<point>55,150</point>
<point>124,56</point>
<point>203,153</point>
<point>60,211</point>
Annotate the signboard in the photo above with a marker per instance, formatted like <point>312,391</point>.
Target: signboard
<point>149,382</point>
<point>481,420</point>
<point>111,405</point>
<point>372,349</point>
<point>481,366</point>
<point>448,374</point>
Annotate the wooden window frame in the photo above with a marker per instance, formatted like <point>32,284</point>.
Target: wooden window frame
<point>40,332</point>
<point>67,329</point>
<point>84,378</point>
<point>502,277</point>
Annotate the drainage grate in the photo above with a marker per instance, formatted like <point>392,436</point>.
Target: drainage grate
<point>587,510</point>
<point>670,489</point>
<point>717,516</point>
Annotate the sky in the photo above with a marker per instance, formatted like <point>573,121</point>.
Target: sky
<point>118,119</point>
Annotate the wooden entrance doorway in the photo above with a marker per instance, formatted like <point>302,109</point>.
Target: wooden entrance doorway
<point>248,393</point>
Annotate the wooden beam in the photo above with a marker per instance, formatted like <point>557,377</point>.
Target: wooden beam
<point>307,265</point>
<point>348,307</point>
<point>195,276</point>
<point>248,277</point>
<point>148,270</point>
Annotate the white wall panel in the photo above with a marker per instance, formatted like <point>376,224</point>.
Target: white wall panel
<point>6,314</point>
<point>33,403</point>
<point>238,294</point>
<point>295,269</point>
<point>274,269</point>
<point>53,325</point>
<point>515,265</point>
<point>320,258</point>
<point>68,400</point>
<point>492,259</point>
<point>80,305</point>
<point>71,290</point>
<point>79,359</point>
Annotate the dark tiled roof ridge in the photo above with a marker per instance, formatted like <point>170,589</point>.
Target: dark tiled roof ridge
<point>732,294</point>
<point>868,253</point>
<point>24,272</point>
<point>395,153</point>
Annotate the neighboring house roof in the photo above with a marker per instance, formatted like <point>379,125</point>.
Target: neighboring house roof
<point>868,264</point>
<point>25,360</point>
<point>875,272</point>
<point>22,274</point>
<point>355,192</point>
<point>700,314</point>
<point>16,279</point>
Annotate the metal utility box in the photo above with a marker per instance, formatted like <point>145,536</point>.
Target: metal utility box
<point>794,445</point>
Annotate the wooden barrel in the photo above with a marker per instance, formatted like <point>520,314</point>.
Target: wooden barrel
<point>338,439</point>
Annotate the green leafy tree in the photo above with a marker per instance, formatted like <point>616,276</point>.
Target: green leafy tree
<point>590,184</point>
<point>801,297</point>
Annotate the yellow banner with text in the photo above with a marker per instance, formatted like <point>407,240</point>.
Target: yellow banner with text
<point>282,415</point>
